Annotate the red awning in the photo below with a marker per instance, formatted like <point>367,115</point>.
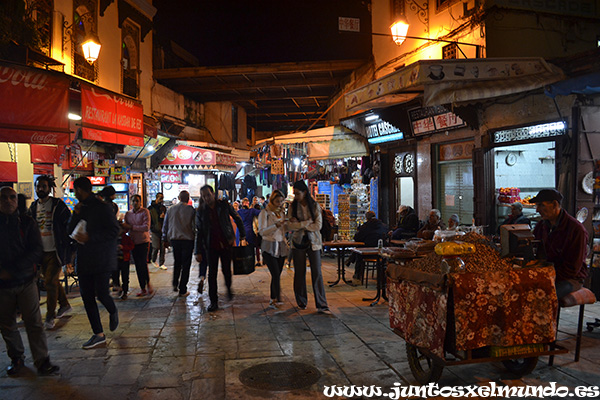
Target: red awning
<point>111,118</point>
<point>34,105</point>
<point>8,171</point>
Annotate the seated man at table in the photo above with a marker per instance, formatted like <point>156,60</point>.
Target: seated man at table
<point>564,241</point>
<point>433,224</point>
<point>408,223</point>
<point>516,216</point>
<point>368,233</point>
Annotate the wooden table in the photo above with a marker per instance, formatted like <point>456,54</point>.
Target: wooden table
<point>341,246</point>
<point>374,252</point>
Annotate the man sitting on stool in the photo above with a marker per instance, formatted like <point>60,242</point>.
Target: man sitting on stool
<point>564,240</point>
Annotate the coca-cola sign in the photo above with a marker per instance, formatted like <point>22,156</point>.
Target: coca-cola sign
<point>34,105</point>
<point>44,138</point>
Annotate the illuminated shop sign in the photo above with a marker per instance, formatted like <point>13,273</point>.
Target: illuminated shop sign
<point>383,131</point>
<point>433,119</point>
<point>530,132</point>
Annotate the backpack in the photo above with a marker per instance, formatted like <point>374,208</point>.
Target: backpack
<point>327,226</point>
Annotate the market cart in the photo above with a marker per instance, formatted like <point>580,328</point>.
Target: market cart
<point>488,311</point>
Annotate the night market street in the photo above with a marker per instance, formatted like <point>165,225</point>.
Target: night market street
<point>167,347</point>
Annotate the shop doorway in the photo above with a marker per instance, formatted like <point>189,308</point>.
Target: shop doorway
<point>405,191</point>
<point>521,171</point>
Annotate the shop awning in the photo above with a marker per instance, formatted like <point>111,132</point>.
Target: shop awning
<point>330,142</point>
<point>456,81</point>
<point>588,84</point>
<point>34,105</point>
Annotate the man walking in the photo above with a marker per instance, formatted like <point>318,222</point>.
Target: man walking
<point>52,216</point>
<point>179,231</point>
<point>157,217</point>
<point>216,236</point>
<point>95,228</point>
<point>21,249</point>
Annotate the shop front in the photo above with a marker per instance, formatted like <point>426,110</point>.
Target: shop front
<point>336,164</point>
<point>189,168</point>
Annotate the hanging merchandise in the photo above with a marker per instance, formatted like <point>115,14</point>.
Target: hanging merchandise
<point>277,167</point>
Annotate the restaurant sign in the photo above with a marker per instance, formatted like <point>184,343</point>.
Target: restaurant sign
<point>110,118</point>
<point>187,155</point>
<point>383,131</point>
<point>433,119</point>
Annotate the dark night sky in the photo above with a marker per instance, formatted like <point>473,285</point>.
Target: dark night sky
<point>228,32</point>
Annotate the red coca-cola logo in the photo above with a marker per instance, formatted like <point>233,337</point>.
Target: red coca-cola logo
<point>46,138</point>
<point>29,79</point>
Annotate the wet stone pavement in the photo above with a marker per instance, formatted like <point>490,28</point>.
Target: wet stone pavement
<point>168,347</point>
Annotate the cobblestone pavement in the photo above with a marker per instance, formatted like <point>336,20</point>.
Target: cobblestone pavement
<point>168,347</point>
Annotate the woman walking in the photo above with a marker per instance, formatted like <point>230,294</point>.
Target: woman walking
<point>305,221</point>
<point>271,226</point>
<point>137,221</point>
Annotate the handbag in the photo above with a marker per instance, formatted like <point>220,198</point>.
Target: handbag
<point>243,260</point>
<point>304,243</point>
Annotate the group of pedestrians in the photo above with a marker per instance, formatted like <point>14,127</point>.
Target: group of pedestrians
<point>103,246</point>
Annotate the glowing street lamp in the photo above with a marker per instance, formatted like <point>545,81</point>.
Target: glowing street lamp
<point>399,30</point>
<point>91,47</point>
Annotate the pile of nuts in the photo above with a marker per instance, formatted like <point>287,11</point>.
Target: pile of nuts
<point>485,258</point>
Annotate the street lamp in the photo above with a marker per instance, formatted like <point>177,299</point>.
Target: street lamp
<point>399,30</point>
<point>91,47</point>
<point>91,43</point>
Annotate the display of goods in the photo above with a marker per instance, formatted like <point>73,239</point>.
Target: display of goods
<point>509,195</point>
<point>485,258</point>
<point>526,200</point>
<point>398,252</point>
<point>454,248</point>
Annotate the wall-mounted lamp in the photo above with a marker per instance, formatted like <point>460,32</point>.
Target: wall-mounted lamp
<point>91,47</point>
<point>91,43</point>
<point>399,30</point>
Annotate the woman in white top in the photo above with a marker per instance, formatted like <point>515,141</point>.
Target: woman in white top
<point>305,220</point>
<point>271,226</point>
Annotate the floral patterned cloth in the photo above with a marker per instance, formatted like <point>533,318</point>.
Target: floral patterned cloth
<point>419,314</point>
<point>504,308</point>
<point>499,308</point>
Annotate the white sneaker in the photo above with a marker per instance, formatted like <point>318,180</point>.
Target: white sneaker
<point>49,324</point>
<point>154,264</point>
<point>163,266</point>
<point>272,304</point>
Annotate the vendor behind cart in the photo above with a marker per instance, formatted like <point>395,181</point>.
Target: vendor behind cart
<point>564,240</point>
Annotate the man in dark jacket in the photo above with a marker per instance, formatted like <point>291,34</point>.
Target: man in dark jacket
<point>565,241</point>
<point>157,218</point>
<point>516,216</point>
<point>408,223</point>
<point>369,233</point>
<point>95,228</point>
<point>21,250</point>
<point>216,236</point>
<point>52,216</point>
